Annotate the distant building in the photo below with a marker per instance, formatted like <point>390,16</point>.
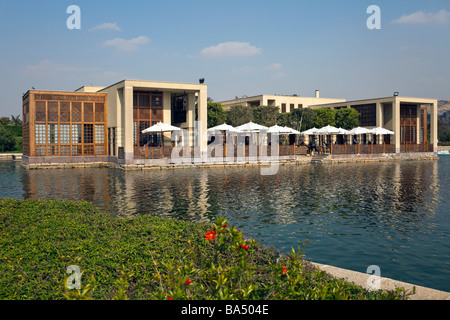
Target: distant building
<point>285,103</point>
<point>406,116</point>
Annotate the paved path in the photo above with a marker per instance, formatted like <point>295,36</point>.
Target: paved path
<point>361,279</point>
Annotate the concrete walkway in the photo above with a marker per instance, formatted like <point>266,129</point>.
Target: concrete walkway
<point>362,279</point>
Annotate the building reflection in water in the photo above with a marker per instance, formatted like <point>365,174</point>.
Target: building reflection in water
<point>396,192</point>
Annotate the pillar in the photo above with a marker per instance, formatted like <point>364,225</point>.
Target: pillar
<point>418,121</point>
<point>396,123</point>
<point>127,123</point>
<point>202,121</point>
<point>434,126</point>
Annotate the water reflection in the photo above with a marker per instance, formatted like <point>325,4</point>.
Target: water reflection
<point>391,214</point>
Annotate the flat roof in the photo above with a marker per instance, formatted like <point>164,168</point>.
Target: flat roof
<point>166,84</point>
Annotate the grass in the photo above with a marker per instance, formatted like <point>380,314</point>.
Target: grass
<point>148,257</point>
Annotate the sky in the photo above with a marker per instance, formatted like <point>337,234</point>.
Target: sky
<point>241,48</point>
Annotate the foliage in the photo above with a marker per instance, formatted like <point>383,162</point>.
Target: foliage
<point>7,140</point>
<point>238,115</point>
<point>216,114</point>
<point>324,117</point>
<point>347,118</point>
<point>148,257</point>
<point>443,131</point>
<point>265,115</point>
<point>15,120</point>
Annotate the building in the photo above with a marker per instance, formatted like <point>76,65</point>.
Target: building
<point>405,116</point>
<point>285,103</point>
<point>104,124</point>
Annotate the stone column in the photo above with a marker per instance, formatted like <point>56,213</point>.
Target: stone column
<point>434,126</point>
<point>127,123</point>
<point>396,123</point>
<point>202,121</point>
<point>418,124</point>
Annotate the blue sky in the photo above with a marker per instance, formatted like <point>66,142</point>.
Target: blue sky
<point>241,47</point>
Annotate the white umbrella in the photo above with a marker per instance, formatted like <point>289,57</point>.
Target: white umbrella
<point>309,132</point>
<point>328,130</point>
<point>278,129</point>
<point>292,131</point>
<point>160,127</point>
<point>380,130</point>
<point>251,127</point>
<point>359,130</point>
<point>343,131</point>
<point>223,127</point>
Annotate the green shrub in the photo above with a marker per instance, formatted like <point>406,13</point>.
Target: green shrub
<point>148,257</point>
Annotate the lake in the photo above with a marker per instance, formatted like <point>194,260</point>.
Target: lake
<point>395,215</point>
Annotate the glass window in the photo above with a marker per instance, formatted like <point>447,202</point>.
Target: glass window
<point>99,133</point>
<point>52,133</point>
<point>76,133</point>
<point>65,133</point>
<point>40,133</point>
<point>88,134</point>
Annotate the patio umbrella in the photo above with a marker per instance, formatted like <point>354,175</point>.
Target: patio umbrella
<point>380,130</point>
<point>328,130</point>
<point>251,127</point>
<point>278,129</point>
<point>309,132</point>
<point>343,131</point>
<point>292,131</point>
<point>161,127</point>
<point>223,127</point>
<point>359,130</point>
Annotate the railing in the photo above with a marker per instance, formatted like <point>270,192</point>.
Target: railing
<point>414,147</point>
<point>245,151</point>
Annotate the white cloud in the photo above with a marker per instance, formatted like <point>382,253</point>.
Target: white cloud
<point>107,26</point>
<point>281,75</point>
<point>231,49</point>
<point>127,45</point>
<point>274,66</point>
<point>442,16</point>
<point>47,68</point>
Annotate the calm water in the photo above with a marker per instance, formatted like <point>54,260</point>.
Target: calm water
<point>394,214</point>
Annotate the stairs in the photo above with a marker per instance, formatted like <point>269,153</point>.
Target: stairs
<point>318,158</point>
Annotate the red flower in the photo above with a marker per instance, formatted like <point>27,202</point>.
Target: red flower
<point>169,298</point>
<point>210,235</point>
<point>188,281</point>
<point>284,270</point>
<point>245,247</point>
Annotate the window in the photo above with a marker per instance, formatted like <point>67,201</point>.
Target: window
<point>88,133</point>
<point>52,133</point>
<point>367,114</point>
<point>65,133</point>
<point>283,107</point>
<point>135,135</point>
<point>40,134</point>
<point>99,133</point>
<point>76,133</point>
<point>291,107</point>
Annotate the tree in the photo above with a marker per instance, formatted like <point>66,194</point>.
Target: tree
<point>266,115</point>
<point>238,115</point>
<point>216,114</point>
<point>7,140</point>
<point>324,117</point>
<point>4,121</point>
<point>16,120</point>
<point>347,118</point>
